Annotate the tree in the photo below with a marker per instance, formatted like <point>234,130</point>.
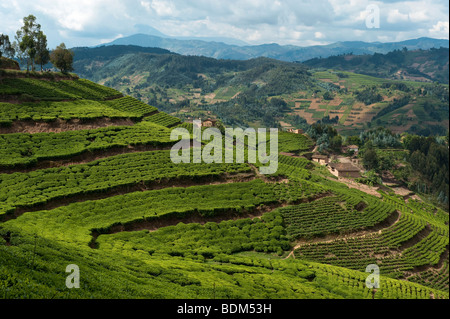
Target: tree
<point>328,96</point>
<point>42,53</point>
<point>62,58</point>
<point>6,47</point>
<point>353,140</point>
<point>386,163</point>
<point>27,39</point>
<point>336,143</point>
<point>371,178</point>
<point>370,159</point>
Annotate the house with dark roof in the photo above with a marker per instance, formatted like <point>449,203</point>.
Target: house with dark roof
<point>345,170</point>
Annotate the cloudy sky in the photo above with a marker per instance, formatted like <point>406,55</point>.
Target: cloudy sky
<point>297,22</point>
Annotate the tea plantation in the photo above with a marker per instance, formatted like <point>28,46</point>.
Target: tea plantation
<point>111,201</point>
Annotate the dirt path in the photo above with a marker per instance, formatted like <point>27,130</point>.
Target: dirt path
<point>362,187</point>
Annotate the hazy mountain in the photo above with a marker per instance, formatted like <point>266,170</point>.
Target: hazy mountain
<point>150,31</point>
<point>220,50</point>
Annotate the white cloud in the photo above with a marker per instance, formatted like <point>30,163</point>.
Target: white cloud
<point>319,35</point>
<point>146,5</point>
<point>418,16</point>
<point>87,22</point>
<point>254,36</point>
<point>163,8</point>
<point>440,29</point>
<point>395,16</point>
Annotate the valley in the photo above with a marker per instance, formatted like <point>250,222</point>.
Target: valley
<point>271,92</point>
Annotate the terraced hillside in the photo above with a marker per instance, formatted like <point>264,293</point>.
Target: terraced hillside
<point>86,179</point>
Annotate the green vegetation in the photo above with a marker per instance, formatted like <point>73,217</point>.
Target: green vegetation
<point>430,159</point>
<point>163,119</point>
<point>21,149</point>
<point>211,241</point>
<point>62,58</point>
<point>6,48</point>
<point>293,143</point>
<point>140,226</point>
<point>270,93</point>
<point>128,104</point>
<point>36,89</point>
<point>325,136</point>
<point>332,215</point>
<point>164,276</point>
<point>368,96</point>
<point>39,187</point>
<point>388,65</point>
<point>50,111</point>
<point>154,206</point>
<point>416,243</point>
<point>420,163</point>
<point>31,42</point>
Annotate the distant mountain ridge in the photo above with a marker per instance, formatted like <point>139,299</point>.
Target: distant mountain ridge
<point>289,53</point>
<point>152,32</point>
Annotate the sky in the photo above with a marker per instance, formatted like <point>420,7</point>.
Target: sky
<point>296,22</point>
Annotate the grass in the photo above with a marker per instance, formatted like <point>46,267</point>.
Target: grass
<point>318,114</point>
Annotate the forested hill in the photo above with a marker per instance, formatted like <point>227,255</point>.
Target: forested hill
<point>174,70</point>
<point>423,65</point>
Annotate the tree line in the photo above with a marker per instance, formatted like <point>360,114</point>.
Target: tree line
<point>30,47</point>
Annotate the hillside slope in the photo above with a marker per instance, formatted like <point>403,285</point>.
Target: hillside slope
<point>423,65</point>
<point>110,201</point>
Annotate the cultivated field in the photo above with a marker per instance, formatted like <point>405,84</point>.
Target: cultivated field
<point>110,200</point>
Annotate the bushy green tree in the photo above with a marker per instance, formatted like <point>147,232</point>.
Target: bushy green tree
<point>336,143</point>
<point>370,178</point>
<point>328,95</point>
<point>62,58</point>
<point>353,140</point>
<point>370,159</point>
